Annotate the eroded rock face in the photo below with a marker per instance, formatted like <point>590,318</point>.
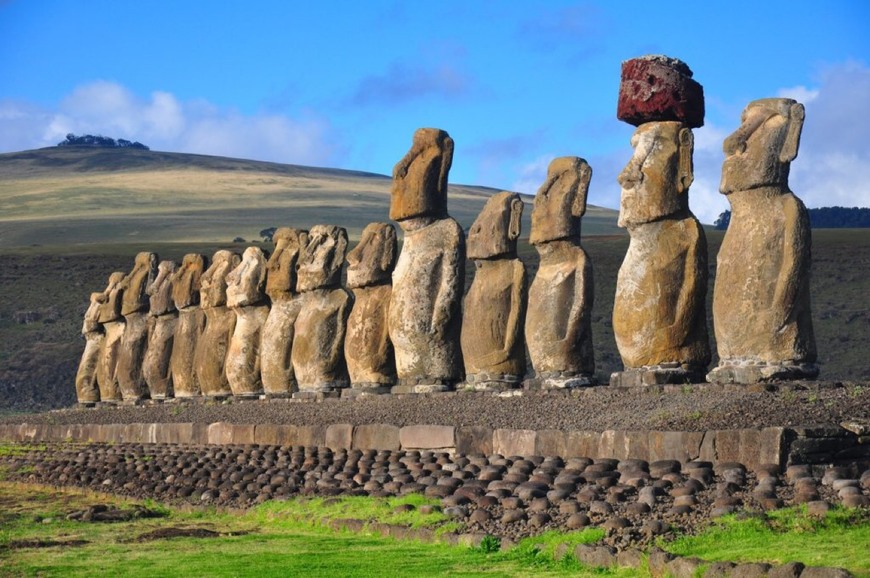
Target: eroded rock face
<point>659,88</point>
<point>190,325</point>
<point>220,322</point>
<point>761,301</point>
<point>558,320</point>
<point>367,347</point>
<point>276,364</point>
<point>318,344</point>
<point>134,342</point>
<point>247,299</point>
<point>425,304</point>
<point>112,322</point>
<point>162,321</point>
<point>494,310</point>
<point>659,318</point>
<point>86,376</point>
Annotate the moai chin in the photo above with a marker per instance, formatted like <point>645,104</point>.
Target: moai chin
<point>110,318</point>
<point>246,298</point>
<point>761,300</point>
<point>425,314</point>
<point>276,346</point>
<point>87,391</point>
<point>318,342</point>
<point>559,315</point>
<point>659,317</point>
<point>134,342</point>
<point>494,310</point>
<point>162,321</point>
<point>368,350</point>
<point>191,323</point>
<point>220,322</point>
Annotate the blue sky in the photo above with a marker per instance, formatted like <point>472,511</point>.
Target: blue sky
<point>345,83</point>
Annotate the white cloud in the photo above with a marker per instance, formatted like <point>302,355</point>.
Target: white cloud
<point>799,93</point>
<point>532,175</point>
<point>165,123</point>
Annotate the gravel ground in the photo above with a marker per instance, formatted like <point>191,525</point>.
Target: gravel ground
<point>697,407</point>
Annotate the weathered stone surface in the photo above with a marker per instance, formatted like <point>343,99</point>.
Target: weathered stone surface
<point>220,322</point>
<point>339,436</point>
<point>86,376</point>
<point>318,344</point>
<point>420,178</point>
<point>474,440</point>
<point>109,317</point>
<point>186,282</point>
<point>761,301</point>
<point>427,437</point>
<point>657,88</point>
<point>161,332</point>
<point>514,442</point>
<point>134,342</point>
<point>367,346</point>
<point>376,437</point>
<point>276,365</point>
<point>246,297</point>
<point>493,345</point>
<point>191,322</point>
<point>659,317</point>
<point>558,321</point>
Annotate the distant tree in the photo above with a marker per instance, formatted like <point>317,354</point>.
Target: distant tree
<point>267,234</point>
<point>722,222</point>
<point>100,141</point>
<point>239,240</point>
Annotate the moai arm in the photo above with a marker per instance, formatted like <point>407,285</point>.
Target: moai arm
<point>795,259</point>
<point>451,279</point>
<point>582,302</point>
<point>691,291</point>
<point>336,348</point>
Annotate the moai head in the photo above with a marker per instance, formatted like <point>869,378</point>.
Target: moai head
<point>372,261</point>
<point>247,282</point>
<point>496,230</point>
<point>213,283</point>
<point>160,289</point>
<point>322,259</point>
<point>281,267</point>
<point>111,300</point>
<point>420,178</point>
<point>186,280</point>
<point>655,182</point>
<point>136,282</point>
<point>561,200</point>
<point>759,153</point>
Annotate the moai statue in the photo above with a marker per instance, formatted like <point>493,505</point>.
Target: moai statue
<point>761,301</point>
<point>191,323</point>
<point>318,341</point>
<point>246,296</point>
<point>134,342</point>
<point>494,311</point>
<point>659,317</point>
<point>220,322</point>
<point>559,316</point>
<point>112,321</point>
<point>426,302</point>
<point>163,318</point>
<point>87,391</point>
<point>276,364</point>
<point>368,350</point>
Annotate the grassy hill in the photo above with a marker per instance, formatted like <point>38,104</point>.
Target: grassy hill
<point>83,195</point>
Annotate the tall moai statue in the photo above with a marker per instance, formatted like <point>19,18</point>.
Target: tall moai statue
<point>426,302</point>
<point>276,364</point>
<point>112,322</point>
<point>134,342</point>
<point>220,322</point>
<point>87,391</point>
<point>371,362</point>
<point>163,318</point>
<point>246,297</point>
<point>761,301</point>
<point>494,311</point>
<point>318,340</point>
<point>191,323</point>
<point>659,312</point>
<point>559,316</point>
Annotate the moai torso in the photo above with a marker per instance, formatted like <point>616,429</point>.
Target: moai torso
<point>191,322</point>
<point>220,321</point>
<point>162,323</point>
<point>559,316</point>
<point>134,342</point>
<point>318,343</point>
<point>494,310</point>
<point>276,364</point>
<point>368,350</point>
<point>425,304</point>
<point>245,296</point>
<point>109,317</point>
<point>761,301</point>
<point>87,391</point>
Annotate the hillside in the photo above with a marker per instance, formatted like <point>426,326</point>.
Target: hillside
<point>84,195</point>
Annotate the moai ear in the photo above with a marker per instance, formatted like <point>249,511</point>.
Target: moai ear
<point>340,249</point>
<point>578,207</point>
<point>388,255</point>
<point>686,168</point>
<point>516,219</point>
<point>789,150</point>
